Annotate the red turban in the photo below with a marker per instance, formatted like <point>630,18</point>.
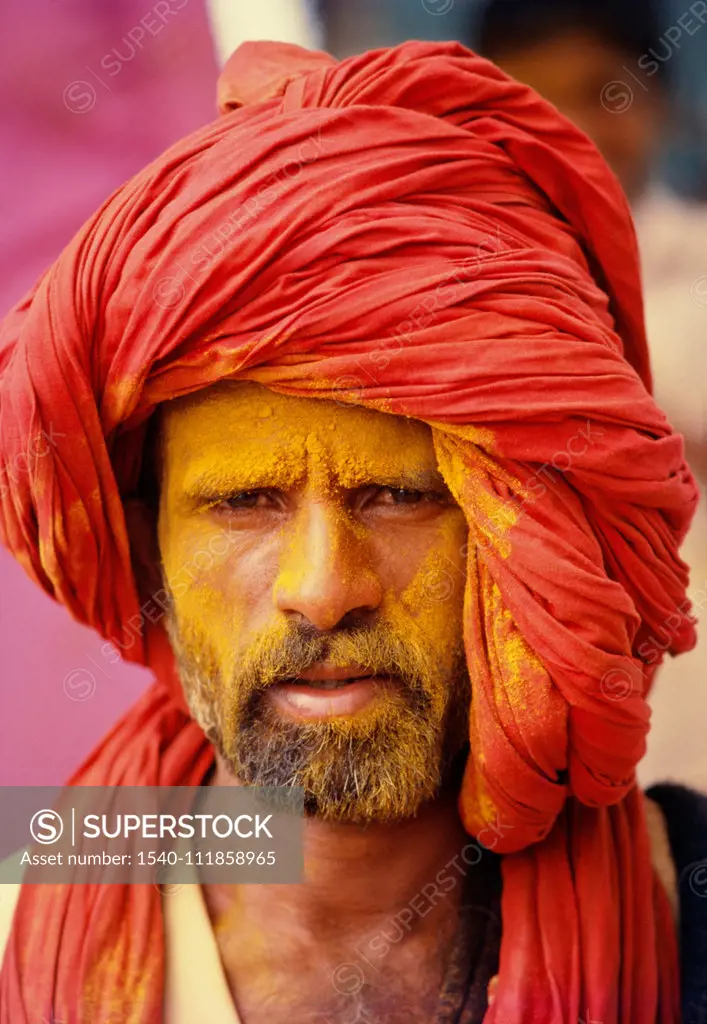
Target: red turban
<point>415,232</point>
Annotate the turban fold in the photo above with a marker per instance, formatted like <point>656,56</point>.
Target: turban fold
<point>412,231</point>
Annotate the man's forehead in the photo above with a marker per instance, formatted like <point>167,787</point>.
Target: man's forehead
<point>258,437</point>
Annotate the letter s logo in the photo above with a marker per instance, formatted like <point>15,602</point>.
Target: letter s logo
<point>46,827</point>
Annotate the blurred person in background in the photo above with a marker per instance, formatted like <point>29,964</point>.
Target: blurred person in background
<point>606,65</point>
<point>579,54</point>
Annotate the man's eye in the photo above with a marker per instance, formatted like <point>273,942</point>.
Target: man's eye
<point>244,499</point>
<point>403,495</point>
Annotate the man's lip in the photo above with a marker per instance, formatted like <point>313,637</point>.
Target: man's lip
<point>333,672</point>
<point>312,702</point>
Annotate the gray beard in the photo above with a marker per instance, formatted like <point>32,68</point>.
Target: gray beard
<point>383,771</point>
<point>347,777</point>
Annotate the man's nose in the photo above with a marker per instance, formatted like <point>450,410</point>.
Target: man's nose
<point>325,570</point>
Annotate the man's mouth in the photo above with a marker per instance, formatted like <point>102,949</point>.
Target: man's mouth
<point>326,691</point>
<point>324,684</point>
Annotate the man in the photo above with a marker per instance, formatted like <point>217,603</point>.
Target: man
<point>355,380</point>
<point>580,55</point>
<point>607,66</point>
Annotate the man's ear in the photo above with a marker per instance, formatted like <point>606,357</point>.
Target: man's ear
<point>141,522</point>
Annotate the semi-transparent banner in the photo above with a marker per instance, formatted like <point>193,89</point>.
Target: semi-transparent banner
<point>150,834</point>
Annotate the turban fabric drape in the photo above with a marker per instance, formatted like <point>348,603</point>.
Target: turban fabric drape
<point>412,231</point>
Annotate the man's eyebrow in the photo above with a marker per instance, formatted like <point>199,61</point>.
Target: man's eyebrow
<point>411,479</point>
<point>215,481</point>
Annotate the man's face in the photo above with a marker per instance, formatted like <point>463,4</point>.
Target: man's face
<point>318,626</point>
<point>586,80</point>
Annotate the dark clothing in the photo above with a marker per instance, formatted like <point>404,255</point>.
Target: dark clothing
<point>686,817</point>
<point>474,961</point>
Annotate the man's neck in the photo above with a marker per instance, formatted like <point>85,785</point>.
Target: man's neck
<point>361,884</point>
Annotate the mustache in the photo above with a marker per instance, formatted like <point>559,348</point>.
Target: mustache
<point>378,648</point>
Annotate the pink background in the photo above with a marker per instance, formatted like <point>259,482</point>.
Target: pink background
<point>90,91</point>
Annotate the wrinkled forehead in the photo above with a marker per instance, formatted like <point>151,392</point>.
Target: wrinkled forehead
<point>259,437</point>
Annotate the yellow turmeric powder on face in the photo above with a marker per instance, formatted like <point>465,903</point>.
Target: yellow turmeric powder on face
<point>280,514</point>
